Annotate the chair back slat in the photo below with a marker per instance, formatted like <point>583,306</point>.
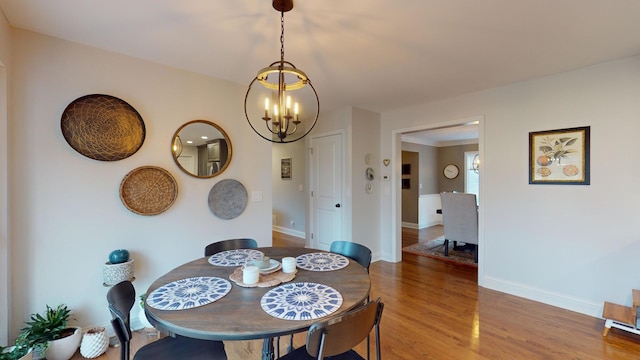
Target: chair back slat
<point>359,253</point>
<point>231,244</point>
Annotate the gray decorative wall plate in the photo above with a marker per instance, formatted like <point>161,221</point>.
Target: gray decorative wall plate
<point>228,199</point>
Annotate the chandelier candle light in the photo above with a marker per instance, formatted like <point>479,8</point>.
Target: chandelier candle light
<point>281,121</point>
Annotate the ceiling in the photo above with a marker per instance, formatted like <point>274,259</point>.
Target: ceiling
<point>377,55</point>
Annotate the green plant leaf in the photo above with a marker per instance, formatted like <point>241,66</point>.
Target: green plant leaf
<point>42,329</point>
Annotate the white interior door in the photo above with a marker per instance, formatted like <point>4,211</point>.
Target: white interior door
<point>326,191</point>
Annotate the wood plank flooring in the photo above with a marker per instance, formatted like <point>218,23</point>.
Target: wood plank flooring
<point>435,310</point>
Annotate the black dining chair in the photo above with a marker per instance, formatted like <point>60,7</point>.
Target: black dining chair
<point>336,336</point>
<point>121,298</point>
<point>359,253</point>
<point>231,244</point>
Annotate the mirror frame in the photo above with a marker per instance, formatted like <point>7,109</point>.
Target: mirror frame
<point>217,127</point>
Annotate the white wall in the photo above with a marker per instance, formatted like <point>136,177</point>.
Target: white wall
<point>569,246</point>
<point>364,140</point>
<point>66,215</point>
<point>5,64</point>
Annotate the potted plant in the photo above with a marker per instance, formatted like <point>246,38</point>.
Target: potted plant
<point>15,352</point>
<point>50,335</point>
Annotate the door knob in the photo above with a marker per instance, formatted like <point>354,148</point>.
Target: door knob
<point>338,205</point>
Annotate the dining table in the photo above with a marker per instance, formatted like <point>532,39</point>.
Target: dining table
<point>248,312</point>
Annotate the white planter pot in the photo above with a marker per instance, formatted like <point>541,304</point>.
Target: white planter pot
<point>115,273</point>
<point>65,348</point>
<point>94,343</point>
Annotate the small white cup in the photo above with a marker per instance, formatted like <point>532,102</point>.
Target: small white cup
<point>288,265</point>
<point>250,275</point>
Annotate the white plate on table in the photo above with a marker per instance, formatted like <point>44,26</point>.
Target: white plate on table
<point>274,265</point>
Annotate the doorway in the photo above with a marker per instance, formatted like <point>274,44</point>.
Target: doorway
<point>396,176</point>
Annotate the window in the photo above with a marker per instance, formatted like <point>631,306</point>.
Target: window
<point>472,174</point>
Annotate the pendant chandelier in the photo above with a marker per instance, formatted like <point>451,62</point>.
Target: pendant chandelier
<point>475,164</point>
<point>286,107</point>
<point>176,147</point>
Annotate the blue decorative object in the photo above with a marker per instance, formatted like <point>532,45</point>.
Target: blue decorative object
<point>188,293</point>
<point>301,301</point>
<point>236,257</point>
<point>119,256</point>
<point>321,261</point>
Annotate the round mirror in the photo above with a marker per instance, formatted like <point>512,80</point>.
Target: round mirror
<point>201,148</point>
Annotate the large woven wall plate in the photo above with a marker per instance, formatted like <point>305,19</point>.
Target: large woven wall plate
<point>228,199</point>
<point>103,127</point>
<point>148,190</point>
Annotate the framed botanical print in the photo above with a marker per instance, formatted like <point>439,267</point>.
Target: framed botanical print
<point>559,156</point>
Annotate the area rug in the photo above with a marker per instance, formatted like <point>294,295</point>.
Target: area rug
<point>435,249</point>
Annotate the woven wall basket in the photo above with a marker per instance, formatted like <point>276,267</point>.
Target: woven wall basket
<point>148,190</point>
<point>103,127</point>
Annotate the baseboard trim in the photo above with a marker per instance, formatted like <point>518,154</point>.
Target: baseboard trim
<point>547,297</point>
<point>288,231</point>
<point>410,225</point>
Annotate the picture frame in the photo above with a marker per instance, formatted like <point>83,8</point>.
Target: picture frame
<point>285,169</point>
<point>560,156</point>
<point>406,169</point>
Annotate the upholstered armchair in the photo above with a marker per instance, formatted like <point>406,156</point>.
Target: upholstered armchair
<point>460,221</point>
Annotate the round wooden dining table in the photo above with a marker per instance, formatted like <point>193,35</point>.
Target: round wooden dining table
<point>238,315</point>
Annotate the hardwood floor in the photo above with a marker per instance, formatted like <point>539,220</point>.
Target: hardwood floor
<point>435,310</point>
<point>413,236</point>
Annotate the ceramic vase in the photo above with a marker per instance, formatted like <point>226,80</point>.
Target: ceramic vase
<point>64,348</point>
<point>94,343</point>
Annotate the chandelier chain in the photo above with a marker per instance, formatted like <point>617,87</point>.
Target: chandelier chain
<point>282,36</point>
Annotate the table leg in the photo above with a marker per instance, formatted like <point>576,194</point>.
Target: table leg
<point>267,349</point>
